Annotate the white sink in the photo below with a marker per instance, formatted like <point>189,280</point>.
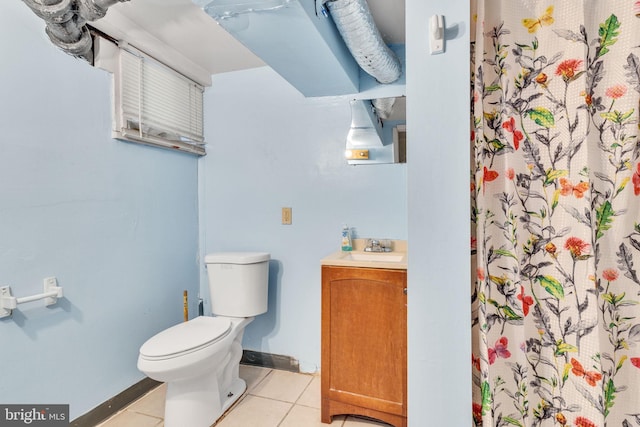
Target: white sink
<point>373,256</point>
<point>396,260</point>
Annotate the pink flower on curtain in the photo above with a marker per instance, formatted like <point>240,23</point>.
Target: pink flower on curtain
<point>636,9</point>
<point>488,175</point>
<point>510,126</point>
<point>636,181</point>
<point>617,91</point>
<point>610,274</point>
<point>583,422</point>
<point>526,301</point>
<point>477,414</point>
<point>576,246</point>
<point>635,361</point>
<point>475,361</point>
<point>499,350</point>
<point>568,68</point>
<point>511,174</point>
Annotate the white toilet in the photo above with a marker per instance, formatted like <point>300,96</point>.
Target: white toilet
<point>199,359</point>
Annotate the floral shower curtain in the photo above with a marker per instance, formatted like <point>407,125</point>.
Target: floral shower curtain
<point>556,213</point>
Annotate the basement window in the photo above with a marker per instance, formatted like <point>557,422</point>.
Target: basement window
<point>155,105</point>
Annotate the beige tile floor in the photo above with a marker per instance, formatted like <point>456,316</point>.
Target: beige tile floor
<point>273,399</point>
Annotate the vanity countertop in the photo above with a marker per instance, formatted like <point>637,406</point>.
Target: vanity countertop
<point>397,259</point>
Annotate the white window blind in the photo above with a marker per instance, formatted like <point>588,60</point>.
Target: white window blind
<point>155,105</point>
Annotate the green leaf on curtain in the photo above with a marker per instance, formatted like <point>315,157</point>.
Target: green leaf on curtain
<point>616,116</point>
<point>608,297</point>
<point>604,218</point>
<point>611,115</point>
<point>552,286</point>
<point>496,144</point>
<point>492,88</point>
<point>500,281</point>
<point>608,32</point>
<point>511,421</point>
<point>618,298</point>
<point>565,373</point>
<point>485,389</point>
<point>542,116</point>
<point>482,297</point>
<point>493,302</point>
<point>563,347</point>
<point>556,198</point>
<point>509,313</point>
<point>551,175</point>
<point>609,396</point>
<point>504,252</point>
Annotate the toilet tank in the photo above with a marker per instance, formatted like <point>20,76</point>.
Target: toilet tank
<point>238,283</point>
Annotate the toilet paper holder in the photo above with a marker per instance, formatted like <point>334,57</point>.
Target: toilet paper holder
<point>50,295</point>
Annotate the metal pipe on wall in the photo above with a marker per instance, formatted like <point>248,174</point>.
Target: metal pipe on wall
<point>66,22</point>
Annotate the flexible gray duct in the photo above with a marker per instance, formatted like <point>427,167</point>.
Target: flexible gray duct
<point>65,22</point>
<point>355,24</point>
<point>383,106</point>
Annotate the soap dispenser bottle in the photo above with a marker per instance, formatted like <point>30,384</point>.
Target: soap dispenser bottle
<point>346,239</point>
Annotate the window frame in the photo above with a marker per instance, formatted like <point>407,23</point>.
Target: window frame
<point>152,132</point>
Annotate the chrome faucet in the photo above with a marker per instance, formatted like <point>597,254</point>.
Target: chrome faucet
<point>375,245</point>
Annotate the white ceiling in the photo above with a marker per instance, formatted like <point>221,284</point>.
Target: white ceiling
<point>171,29</point>
<point>185,28</point>
<point>389,18</point>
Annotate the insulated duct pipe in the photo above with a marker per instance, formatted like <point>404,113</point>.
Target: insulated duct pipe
<point>66,21</point>
<point>355,24</point>
<point>383,107</point>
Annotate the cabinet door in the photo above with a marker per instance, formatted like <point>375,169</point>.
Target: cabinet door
<point>364,350</point>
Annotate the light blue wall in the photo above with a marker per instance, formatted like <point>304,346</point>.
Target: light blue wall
<point>438,181</point>
<point>270,147</point>
<point>116,223</point>
<point>99,215</point>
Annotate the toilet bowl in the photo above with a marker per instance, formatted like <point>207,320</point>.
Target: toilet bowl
<point>200,359</point>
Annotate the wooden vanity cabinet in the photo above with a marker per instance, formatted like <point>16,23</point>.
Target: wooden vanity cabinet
<point>364,343</point>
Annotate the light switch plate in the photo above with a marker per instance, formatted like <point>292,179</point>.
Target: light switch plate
<point>286,216</point>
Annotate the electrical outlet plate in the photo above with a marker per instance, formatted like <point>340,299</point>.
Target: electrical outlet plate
<point>286,216</point>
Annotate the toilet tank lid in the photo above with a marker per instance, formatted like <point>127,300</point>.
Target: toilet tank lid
<point>236,257</point>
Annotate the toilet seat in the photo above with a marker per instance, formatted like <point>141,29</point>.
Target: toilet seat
<point>186,338</point>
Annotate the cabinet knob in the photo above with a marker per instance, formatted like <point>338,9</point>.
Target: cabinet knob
<point>404,291</point>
